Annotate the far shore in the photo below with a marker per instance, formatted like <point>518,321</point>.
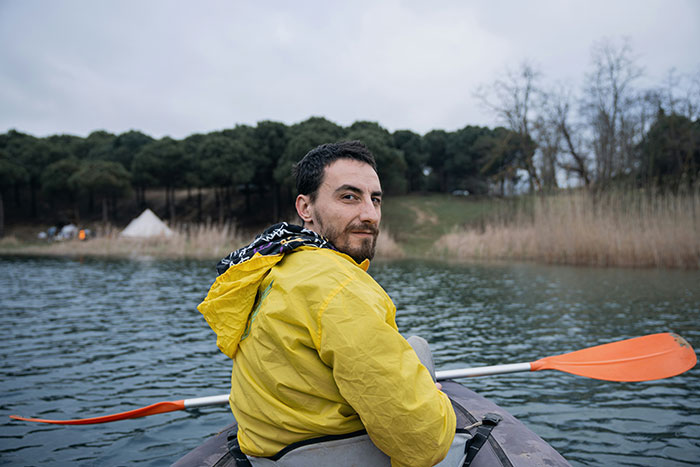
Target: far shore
<point>618,229</point>
<point>205,243</point>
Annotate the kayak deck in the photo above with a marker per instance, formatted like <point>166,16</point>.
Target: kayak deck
<point>511,443</point>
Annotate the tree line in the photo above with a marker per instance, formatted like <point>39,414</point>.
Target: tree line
<point>611,133</point>
<point>254,163</point>
<point>606,130</point>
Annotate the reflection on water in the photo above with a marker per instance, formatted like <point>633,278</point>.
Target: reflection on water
<point>88,338</point>
<point>476,315</point>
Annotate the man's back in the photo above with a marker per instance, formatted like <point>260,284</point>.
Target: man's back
<point>322,355</point>
<point>283,391</point>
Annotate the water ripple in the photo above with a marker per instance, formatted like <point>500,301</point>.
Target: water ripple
<point>95,337</point>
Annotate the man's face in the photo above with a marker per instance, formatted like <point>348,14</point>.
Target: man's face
<point>347,208</point>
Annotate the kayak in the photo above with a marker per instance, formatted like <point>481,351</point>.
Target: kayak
<point>509,443</point>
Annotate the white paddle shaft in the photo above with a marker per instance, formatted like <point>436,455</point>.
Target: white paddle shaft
<point>482,371</point>
<point>222,399</point>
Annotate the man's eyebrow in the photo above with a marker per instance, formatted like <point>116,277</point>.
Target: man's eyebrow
<point>354,189</point>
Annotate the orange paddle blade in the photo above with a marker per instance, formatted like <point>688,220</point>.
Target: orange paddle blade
<point>645,358</point>
<point>160,407</point>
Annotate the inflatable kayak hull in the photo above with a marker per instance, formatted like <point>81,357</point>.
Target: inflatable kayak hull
<point>510,444</point>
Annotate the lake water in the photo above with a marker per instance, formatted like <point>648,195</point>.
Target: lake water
<point>87,338</point>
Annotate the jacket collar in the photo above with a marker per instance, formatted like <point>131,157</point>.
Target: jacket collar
<point>277,239</point>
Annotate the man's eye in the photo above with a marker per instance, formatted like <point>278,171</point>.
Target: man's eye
<point>377,201</point>
<point>349,196</point>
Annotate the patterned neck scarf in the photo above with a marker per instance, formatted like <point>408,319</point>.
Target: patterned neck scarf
<point>278,239</point>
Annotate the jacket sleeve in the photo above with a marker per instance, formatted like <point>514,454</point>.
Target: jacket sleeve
<point>380,376</point>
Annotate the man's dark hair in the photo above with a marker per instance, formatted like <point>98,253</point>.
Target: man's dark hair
<point>309,171</point>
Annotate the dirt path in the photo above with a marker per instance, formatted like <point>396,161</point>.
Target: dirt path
<point>423,217</point>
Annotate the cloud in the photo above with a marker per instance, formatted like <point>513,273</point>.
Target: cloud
<point>175,68</point>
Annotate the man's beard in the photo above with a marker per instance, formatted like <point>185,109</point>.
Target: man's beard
<point>341,240</point>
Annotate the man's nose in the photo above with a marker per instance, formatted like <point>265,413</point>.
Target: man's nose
<point>369,212</point>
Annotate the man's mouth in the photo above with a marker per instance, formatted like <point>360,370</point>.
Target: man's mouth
<point>370,233</point>
<point>363,231</point>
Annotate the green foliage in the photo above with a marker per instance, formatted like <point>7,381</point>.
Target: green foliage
<point>98,145</point>
<point>435,144</point>
<point>69,145</point>
<point>670,154</point>
<point>416,157</point>
<point>160,163</point>
<point>11,172</point>
<point>126,145</point>
<point>463,160</point>
<point>258,160</point>
<point>194,168</point>
<point>321,127</point>
<point>14,143</point>
<point>242,156</point>
<point>55,179</point>
<point>33,154</point>
<point>104,179</point>
<point>224,161</point>
<point>500,151</point>
<point>172,163</point>
<point>146,166</point>
<point>271,139</point>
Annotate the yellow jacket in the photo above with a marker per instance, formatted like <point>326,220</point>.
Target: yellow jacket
<point>317,352</point>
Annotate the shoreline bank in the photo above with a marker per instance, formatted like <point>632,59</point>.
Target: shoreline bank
<point>205,243</point>
<point>630,229</point>
<point>625,229</point>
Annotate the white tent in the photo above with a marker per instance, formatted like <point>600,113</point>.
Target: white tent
<point>146,225</point>
<point>67,232</point>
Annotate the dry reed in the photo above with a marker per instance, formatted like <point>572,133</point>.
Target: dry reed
<point>387,248</point>
<point>205,241</point>
<point>629,229</point>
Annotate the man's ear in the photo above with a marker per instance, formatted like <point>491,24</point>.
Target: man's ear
<point>303,205</point>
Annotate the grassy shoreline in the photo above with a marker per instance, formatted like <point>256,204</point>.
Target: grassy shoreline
<point>201,242</point>
<point>114,247</point>
<point>616,229</point>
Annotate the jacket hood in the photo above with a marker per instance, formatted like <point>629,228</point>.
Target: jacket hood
<point>232,296</point>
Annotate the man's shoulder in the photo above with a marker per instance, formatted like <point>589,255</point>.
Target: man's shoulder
<point>321,268</point>
<point>330,261</point>
<point>320,276</point>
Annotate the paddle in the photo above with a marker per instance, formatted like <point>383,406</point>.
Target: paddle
<point>158,407</point>
<point>645,358</point>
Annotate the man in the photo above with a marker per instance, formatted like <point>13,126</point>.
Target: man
<point>313,337</point>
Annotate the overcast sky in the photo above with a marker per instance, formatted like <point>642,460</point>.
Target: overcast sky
<point>176,68</point>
